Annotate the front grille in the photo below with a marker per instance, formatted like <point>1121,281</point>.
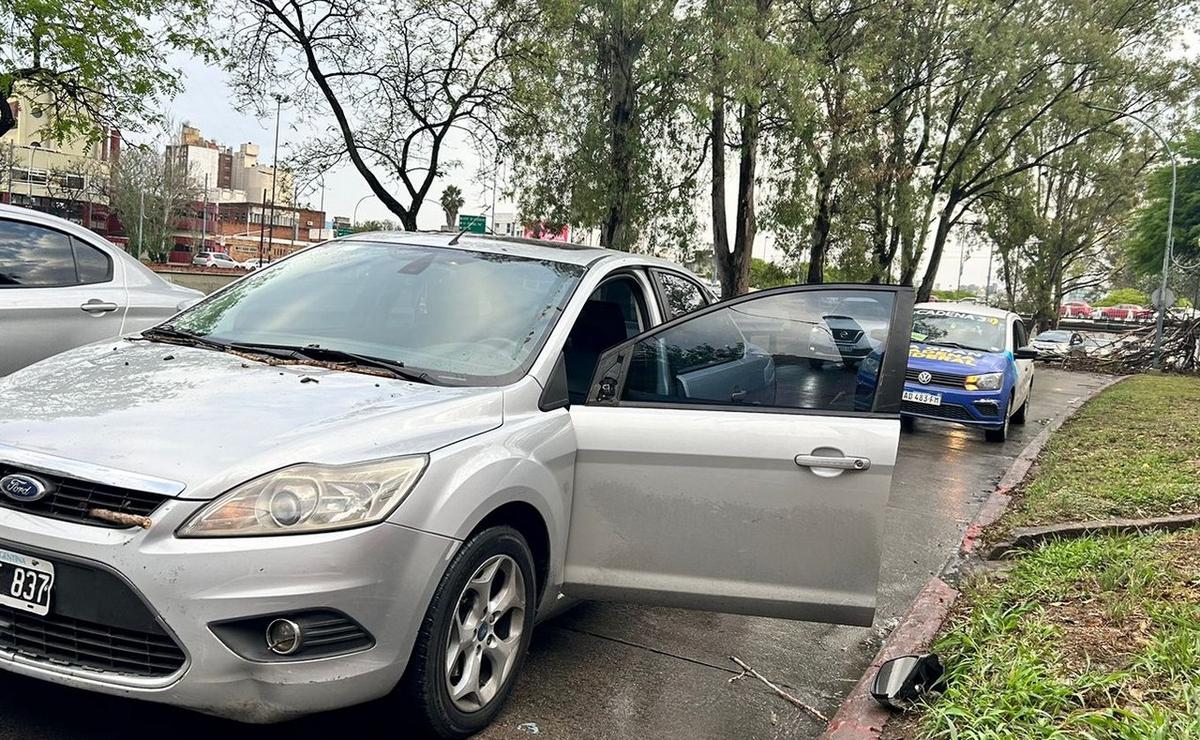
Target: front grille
<point>843,336</point>
<point>71,499</point>
<point>950,380</point>
<point>945,411</point>
<point>65,641</point>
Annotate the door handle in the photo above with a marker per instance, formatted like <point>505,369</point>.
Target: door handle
<point>840,463</point>
<point>96,306</point>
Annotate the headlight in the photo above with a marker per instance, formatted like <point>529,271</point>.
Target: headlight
<point>309,498</point>
<point>985,382</point>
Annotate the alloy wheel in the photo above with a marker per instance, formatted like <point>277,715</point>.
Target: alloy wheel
<point>485,633</point>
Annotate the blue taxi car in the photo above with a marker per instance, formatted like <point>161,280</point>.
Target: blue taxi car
<point>970,365</point>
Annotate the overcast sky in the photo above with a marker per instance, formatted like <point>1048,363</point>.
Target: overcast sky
<point>206,103</point>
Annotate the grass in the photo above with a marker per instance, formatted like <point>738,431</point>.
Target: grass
<point>1096,637</point>
<point>1133,451</point>
<point>1090,638</point>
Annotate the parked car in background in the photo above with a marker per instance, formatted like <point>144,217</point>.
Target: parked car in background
<point>216,259</point>
<point>382,461</point>
<point>1126,312</point>
<point>969,365</point>
<point>254,263</point>
<point>1058,342</point>
<point>1075,310</point>
<point>62,286</point>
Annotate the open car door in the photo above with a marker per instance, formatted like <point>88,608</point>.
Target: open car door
<point>739,458</point>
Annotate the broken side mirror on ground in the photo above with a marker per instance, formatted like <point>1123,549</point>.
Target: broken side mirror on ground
<point>900,682</point>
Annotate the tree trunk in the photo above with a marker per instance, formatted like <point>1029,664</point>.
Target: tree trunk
<point>720,224</point>
<point>945,221</point>
<point>745,220</point>
<point>819,241</point>
<point>614,232</point>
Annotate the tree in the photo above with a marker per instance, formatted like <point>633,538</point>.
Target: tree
<point>1148,237</point>
<point>398,78</point>
<point>77,182</point>
<point>599,137</point>
<point>765,274</point>
<point>1123,295</point>
<point>150,196</point>
<point>90,65</point>
<point>452,201</point>
<point>373,224</point>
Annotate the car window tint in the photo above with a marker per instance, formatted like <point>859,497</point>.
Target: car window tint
<point>93,265</point>
<point>813,350</point>
<point>625,293</point>
<point>680,294</point>
<point>34,257</point>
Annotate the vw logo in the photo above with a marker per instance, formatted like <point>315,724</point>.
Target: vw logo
<point>924,377</point>
<point>25,488</point>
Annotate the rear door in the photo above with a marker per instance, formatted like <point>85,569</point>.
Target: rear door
<point>726,463</point>
<point>56,293</point>
<point>1024,379</point>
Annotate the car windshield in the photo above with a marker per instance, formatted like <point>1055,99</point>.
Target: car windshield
<point>462,317</point>
<point>1052,336</point>
<point>950,328</point>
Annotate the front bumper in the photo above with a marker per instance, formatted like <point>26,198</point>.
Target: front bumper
<point>986,409</point>
<point>381,576</point>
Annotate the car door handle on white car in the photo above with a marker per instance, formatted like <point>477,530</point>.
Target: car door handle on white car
<point>96,307</point>
<point>839,463</point>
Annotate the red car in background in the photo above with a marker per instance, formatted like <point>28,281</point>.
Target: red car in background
<point>1075,310</point>
<point>1126,312</point>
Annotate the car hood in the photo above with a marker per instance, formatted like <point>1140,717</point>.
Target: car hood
<point>953,360</point>
<point>208,420</point>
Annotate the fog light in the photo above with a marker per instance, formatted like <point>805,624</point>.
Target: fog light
<point>284,637</point>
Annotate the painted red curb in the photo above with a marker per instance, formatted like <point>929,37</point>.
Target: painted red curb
<point>860,716</point>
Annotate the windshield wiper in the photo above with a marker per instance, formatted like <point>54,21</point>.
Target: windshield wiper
<point>336,356</point>
<point>169,333</point>
<point>956,345</point>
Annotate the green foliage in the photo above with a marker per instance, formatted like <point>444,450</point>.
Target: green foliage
<point>1131,452</point>
<point>1123,295</point>
<point>1147,239</point>
<point>452,202</point>
<point>101,64</point>
<point>374,224</point>
<point>1095,637</point>
<point>150,197</point>
<point>765,274</point>
<point>953,295</point>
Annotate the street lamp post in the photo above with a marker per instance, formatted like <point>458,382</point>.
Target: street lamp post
<point>354,214</point>
<point>279,100</point>
<point>1166,264</point>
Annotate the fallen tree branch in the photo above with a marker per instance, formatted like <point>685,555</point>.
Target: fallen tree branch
<point>748,671</point>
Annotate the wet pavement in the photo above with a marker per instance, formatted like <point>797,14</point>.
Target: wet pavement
<point>621,671</point>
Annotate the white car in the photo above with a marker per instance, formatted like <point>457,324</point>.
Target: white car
<point>62,286</point>
<point>216,259</point>
<point>379,462</point>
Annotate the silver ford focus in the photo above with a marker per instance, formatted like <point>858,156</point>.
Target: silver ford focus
<point>368,469</point>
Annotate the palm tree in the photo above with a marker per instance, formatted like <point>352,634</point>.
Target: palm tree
<point>452,201</point>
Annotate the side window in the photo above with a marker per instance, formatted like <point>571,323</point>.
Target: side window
<point>34,257</point>
<point>93,265</point>
<point>679,294</point>
<point>817,350</point>
<point>614,312</point>
<point>1020,338</point>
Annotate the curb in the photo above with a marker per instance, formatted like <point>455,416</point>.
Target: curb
<point>1027,538</point>
<point>860,717</point>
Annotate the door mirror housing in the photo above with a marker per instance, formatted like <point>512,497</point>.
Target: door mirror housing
<point>1025,353</point>
<point>900,682</point>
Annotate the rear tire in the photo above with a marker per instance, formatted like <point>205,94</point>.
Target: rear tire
<point>496,562</point>
<point>908,423</point>
<point>816,363</point>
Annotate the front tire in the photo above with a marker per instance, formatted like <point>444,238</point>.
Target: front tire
<point>475,635</point>
<point>1023,412</point>
<point>1001,434</point>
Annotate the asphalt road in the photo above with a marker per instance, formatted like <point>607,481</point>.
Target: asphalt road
<point>620,671</point>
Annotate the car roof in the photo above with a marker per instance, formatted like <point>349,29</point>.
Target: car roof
<point>970,308</point>
<point>553,251</point>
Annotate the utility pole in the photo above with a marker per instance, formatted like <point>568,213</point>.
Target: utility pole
<point>274,169</point>
<point>987,288</point>
<point>295,213</point>
<point>204,215</point>
<point>1166,263</point>
<point>32,148</point>
<point>262,225</point>
<point>141,221</point>
<point>962,257</point>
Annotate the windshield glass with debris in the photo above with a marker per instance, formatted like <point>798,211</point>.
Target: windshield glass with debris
<point>463,317</point>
